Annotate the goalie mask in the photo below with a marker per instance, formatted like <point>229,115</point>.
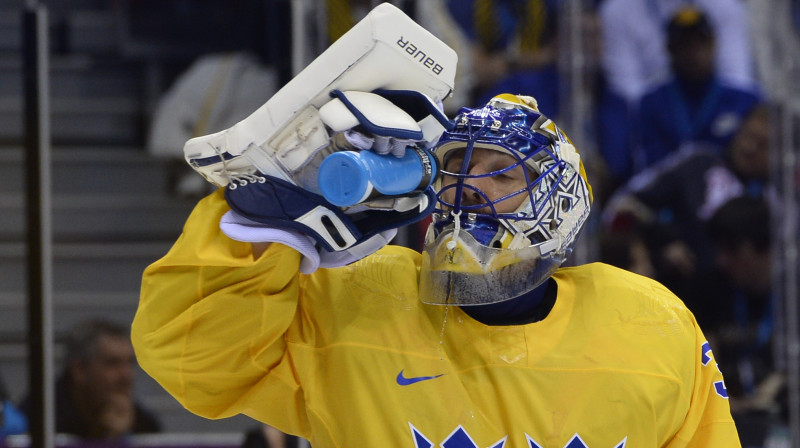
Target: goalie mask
<point>511,199</point>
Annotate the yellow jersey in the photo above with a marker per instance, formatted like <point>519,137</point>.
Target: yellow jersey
<point>349,357</point>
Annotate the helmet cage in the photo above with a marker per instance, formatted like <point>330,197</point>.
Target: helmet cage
<point>510,131</point>
<point>538,235</point>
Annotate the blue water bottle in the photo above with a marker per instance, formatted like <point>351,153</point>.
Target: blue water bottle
<point>349,177</point>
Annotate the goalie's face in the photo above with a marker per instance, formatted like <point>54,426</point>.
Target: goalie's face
<point>496,180</point>
<point>511,199</point>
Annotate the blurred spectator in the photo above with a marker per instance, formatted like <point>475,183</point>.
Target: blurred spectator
<point>266,436</point>
<point>614,125</point>
<point>94,393</point>
<point>634,41</point>
<point>12,420</point>
<point>741,330</point>
<point>214,93</point>
<point>741,231</point>
<point>675,198</point>
<point>627,249</point>
<point>694,105</point>
<point>513,48</point>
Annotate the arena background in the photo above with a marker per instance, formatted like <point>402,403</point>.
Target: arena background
<point>115,202</point>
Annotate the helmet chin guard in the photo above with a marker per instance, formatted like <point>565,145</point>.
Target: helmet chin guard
<point>458,270</point>
<point>475,254</point>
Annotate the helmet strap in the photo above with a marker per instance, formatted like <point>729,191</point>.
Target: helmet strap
<point>456,229</point>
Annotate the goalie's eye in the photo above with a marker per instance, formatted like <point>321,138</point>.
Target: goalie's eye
<point>484,162</point>
<point>491,176</point>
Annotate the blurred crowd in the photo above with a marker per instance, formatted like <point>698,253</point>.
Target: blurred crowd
<point>679,142</point>
<point>94,397</point>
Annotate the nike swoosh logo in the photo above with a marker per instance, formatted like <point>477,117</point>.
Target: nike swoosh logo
<point>403,381</point>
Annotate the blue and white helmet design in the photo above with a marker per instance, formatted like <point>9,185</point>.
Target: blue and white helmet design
<point>478,251</point>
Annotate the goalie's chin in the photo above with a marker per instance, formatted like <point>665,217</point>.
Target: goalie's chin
<point>457,270</point>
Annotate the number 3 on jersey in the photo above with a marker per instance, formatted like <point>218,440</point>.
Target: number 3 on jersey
<point>719,386</point>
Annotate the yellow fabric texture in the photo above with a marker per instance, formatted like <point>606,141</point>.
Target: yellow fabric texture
<point>617,362</point>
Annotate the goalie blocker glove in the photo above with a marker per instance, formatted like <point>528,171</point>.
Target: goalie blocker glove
<point>277,190</point>
<point>277,203</point>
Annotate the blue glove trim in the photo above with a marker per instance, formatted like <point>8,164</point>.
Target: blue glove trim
<point>210,160</point>
<point>416,104</point>
<point>372,127</point>
<point>283,205</point>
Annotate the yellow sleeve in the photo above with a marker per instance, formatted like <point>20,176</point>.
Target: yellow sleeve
<point>211,322</point>
<point>708,423</point>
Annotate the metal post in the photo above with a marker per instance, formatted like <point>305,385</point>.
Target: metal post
<point>789,268</point>
<point>575,103</point>
<point>39,253</point>
<point>783,46</point>
<point>300,56</point>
